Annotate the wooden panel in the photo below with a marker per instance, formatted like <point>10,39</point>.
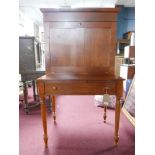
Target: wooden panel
<point>81,47</point>
<point>97,42</point>
<point>66,47</point>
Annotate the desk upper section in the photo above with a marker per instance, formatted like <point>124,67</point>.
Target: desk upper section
<point>80,41</point>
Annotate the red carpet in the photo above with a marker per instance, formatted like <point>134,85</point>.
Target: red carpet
<point>79,130</point>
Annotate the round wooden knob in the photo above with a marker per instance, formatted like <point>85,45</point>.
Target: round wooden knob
<point>54,88</point>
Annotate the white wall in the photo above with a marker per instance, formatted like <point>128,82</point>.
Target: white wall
<point>26,25</point>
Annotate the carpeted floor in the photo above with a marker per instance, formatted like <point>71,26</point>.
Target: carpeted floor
<point>79,130</point>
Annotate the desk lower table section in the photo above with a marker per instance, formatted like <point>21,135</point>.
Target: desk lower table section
<point>79,86</point>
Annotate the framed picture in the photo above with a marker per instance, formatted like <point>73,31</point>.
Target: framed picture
<point>129,104</point>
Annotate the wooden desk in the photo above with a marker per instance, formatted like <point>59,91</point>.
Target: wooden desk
<point>80,45</point>
<point>57,84</point>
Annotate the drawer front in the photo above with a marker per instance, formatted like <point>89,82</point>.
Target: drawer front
<point>80,88</point>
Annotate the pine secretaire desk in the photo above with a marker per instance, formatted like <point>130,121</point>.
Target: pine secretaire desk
<point>80,56</point>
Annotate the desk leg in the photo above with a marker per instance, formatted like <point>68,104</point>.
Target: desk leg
<point>25,98</point>
<point>53,108</point>
<point>44,120</point>
<point>117,119</point>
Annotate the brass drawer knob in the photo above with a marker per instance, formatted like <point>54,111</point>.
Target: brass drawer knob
<point>54,88</point>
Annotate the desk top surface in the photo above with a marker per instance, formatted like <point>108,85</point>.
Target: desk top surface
<point>82,77</point>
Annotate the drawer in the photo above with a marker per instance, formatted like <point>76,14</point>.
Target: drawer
<point>91,88</point>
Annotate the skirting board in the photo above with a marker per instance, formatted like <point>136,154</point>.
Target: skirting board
<point>129,117</point>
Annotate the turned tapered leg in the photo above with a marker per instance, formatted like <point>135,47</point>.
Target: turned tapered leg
<point>44,121</point>
<point>117,119</point>
<point>105,115</point>
<point>53,107</point>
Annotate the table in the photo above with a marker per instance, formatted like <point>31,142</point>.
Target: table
<point>78,84</point>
